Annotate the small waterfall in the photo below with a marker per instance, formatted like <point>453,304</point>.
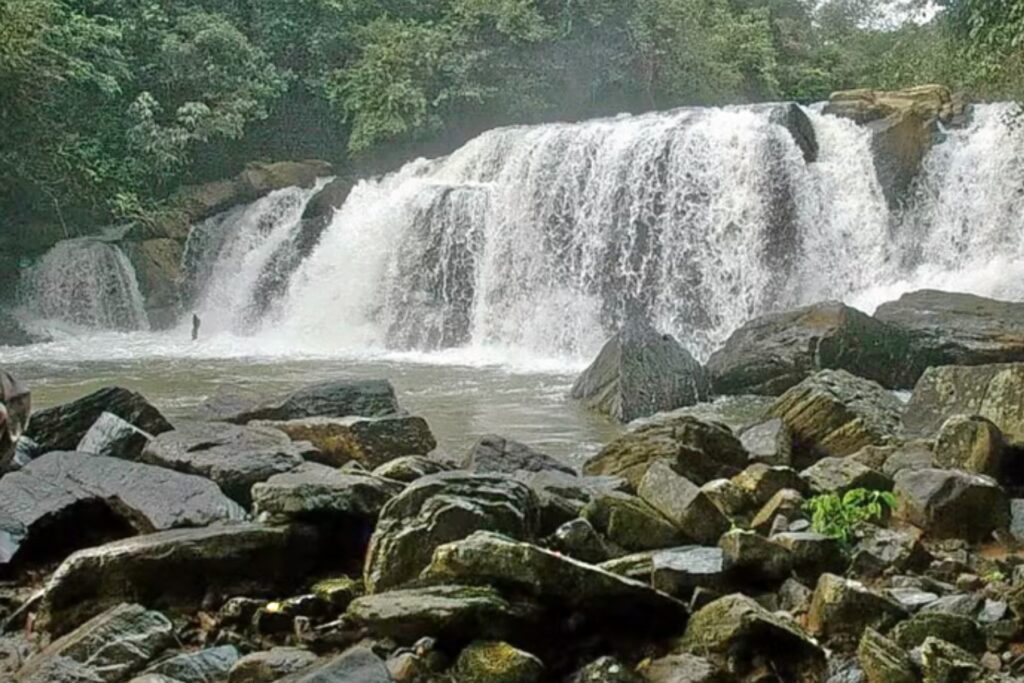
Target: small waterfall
<point>87,283</point>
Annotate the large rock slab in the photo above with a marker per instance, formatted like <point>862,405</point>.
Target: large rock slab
<point>342,398</point>
<point>115,438</point>
<point>683,503</point>
<point>234,457</point>
<point>440,509</point>
<point>498,455</point>
<point>640,372</point>
<point>612,601</point>
<point>775,352</point>
<point>160,570</point>
<point>65,500</point>
<point>974,444</point>
<point>371,442</point>
<point>61,428</point>
<point>991,391</point>
<point>842,609</point>
<point>315,492</point>
<point>834,413</point>
<point>952,504</point>
<point>630,523</point>
<point>108,648</point>
<point>700,451</point>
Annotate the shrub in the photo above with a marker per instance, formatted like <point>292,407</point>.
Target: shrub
<point>841,517</point>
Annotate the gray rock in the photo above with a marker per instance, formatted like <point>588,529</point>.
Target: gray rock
<point>636,566</point>
<point>755,557</point>
<point>972,444</point>
<point>682,503</point>
<point>640,372</point>
<point>912,599</point>
<point>1017,518</point>
<point>358,665</point>
<point>961,604</point>
<point>951,504</point>
<point>880,550</point>
<point>630,523</point>
<point>270,665</point>
<point>440,509</point>
<point>498,455</point>
<point>955,628</point>
<point>108,648</point>
<point>883,661</point>
<point>205,666</point>
<point>678,571</point>
<point>812,554</point>
<point>497,662</point>
<point>317,493</point>
<point>409,468</point>
<point>727,497</point>
<point>234,457</point>
<point>787,504</point>
<point>331,198</point>
<point>579,540</point>
<point>913,455</point>
<point>115,438</point>
<point>839,475</point>
<point>773,353</point>
<point>13,333</point>
<point>342,398</point>
<point>563,496</point>
<point>942,661</point>
<point>761,482</point>
<point>606,670</point>
<point>159,570</point>
<point>61,428</point>
<point>42,502</point>
<point>683,668</point>
<point>769,442</point>
<point>842,609</point>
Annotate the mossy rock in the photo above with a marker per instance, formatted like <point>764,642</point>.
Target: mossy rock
<point>497,662</point>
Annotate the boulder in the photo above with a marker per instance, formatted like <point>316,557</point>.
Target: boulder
<point>160,570</point>
<point>630,523</point>
<point>889,549</point>
<point>699,451</point>
<point>883,661</point>
<point>157,263</point>
<point>563,496</point>
<point>913,455</point>
<point>834,413</point>
<point>944,662</point>
<point>61,428</point>
<point>787,503</point>
<point>794,119</point>
<point>113,437</point>
<point>359,664</point>
<point>640,372</point>
<point>409,468</point>
<point>613,602</point>
<point>842,609</point>
<point>955,628</point>
<point>678,571</point>
<point>491,661</point>
<point>440,509</point>
<point>498,455</point>
<point>371,442</point>
<point>313,493</point>
<point>269,666</point>
<point>989,391</point>
<point>737,629</point>
<point>683,503</point>
<point>839,475</point>
<point>812,554</point>
<point>450,612</point>
<point>108,648</point>
<point>769,442</point>
<point>578,539</point>
<point>342,398</point>
<point>263,177</point>
<point>755,557</point>
<point>952,504</point>
<point>761,482</point>
<point>973,444</point>
<point>204,666</point>
<point>605,670</point>
<point>63,501</point>
<point>234,457</point>
<point>773,353</point>
<point>682,668</point>
<point>329,199</point>
<point>728,497</point>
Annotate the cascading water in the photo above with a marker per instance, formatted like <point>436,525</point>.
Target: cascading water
<point>86,283</point>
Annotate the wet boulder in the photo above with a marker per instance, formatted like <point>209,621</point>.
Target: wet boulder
<point>974,444</point>
<point>64,500</point>
<point>834,413</point>
<point>357,664</point>
<point>769,442</point>
<point>159,570</point>
<point>211,664</point>
<point>268,666</point>
<point>158,271</point>
<point>755,557</point>
<point>700,451</point>
<point>562,496</point>
<point>761,482</point>
<point>883,661</point>
<point>956,628</point>
<point>234,457</point>
<point>371,442</point>
<point>313,493</point>
<point>62,427</point>
<point>794,119</point>
<point>839,475</point>
<point>440,509</point>
<point>842,609</point>
<point>579,540</point>
<point>640,372</point>
<point>812,554</point>
<point>409,468</point>
<point>498,455</point>
<point>329,199</point>
<point>683,503</point>
<point>630,523</point>
<point>115,438</point>
<point>490,661</point>
<point>108,648</point>
<point>951,504</point>
<point>683,668</point>
<point>679,571</point>
<point>773,353</point>
<point>342,398</point>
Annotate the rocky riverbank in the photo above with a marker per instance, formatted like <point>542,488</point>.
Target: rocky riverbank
<point>841,536</point>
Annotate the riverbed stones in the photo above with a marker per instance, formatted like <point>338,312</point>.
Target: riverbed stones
<point>159,570</point>
<point>61,428</point>
<point>109,648</point>
<point>113,437</point>
<point>60,491</point>
<point>371,442</point>
<point>834,413</point>
<point>700,451</point>
<point>773,353</point>
<point>973,444</point>
<point>842,609</point>
<point>491,661</point>
<point>341,398</point>
<point>683,503</point>
<point>630,523</point>
<point>742,635</point>
<point>497,455</point>
<point>640,372</point>
<point>440,509</point>
<point>839,475</point>
<point>769,442</point>
<point>951,504</point>
<point>271,665</point>
<point>234,457</point>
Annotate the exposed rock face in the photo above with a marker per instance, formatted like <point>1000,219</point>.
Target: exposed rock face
<point>769,442</point>
<point>883,661</point>
<point>458,613</point>
<point>947,328</point>
<point>270,665</point>
<point>905,125</point>
<point>160,570</point>
<point>839,475</point>
<point>991,391</point>
<point>843,609</point>
<point>563,496</point>
<point>371,442</point>
<point>234,457</point>
<point>328,200</point>
<point>678,571</point>
<point>973,444</point>
<point>157,264</point>
<point>699,451</point>
<point>358,664</point>
<point>952,504</point>
<point>42,502</point>
<point>793,118</point>
<point>738,629</point>
<point>630,523</point>
<point>640,372</point>
<point>409,468</point>
<point>755,557</point>
<point>319,493</point>
<point>113,437</point>
<point>108,648</point>
<point>61,428</point>
<point>775,352</point>
<point>498,455</point>
<point>579,540</point>
<point>834,413</point>
<point>367,398</point>
<point>683,503</point>
<point>955,628</point>
<point>440,509</point>
<point>497,662</point>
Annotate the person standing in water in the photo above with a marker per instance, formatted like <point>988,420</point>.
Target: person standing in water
<point>195,326</point>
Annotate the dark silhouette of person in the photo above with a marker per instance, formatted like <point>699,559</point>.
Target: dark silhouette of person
<point>195,326</point>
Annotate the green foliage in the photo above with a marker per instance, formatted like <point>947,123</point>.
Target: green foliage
<point>841,517</point>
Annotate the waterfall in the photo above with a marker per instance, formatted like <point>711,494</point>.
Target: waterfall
<point>85,282</point>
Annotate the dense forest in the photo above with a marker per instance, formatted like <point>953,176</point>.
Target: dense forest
<point>107,106</point>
